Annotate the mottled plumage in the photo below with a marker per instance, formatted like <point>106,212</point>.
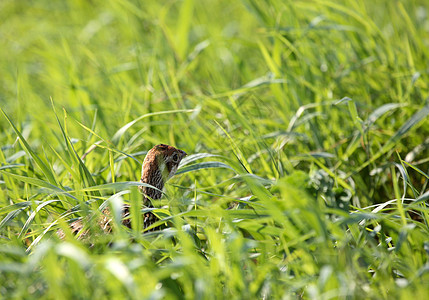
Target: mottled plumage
<point>159,165</point>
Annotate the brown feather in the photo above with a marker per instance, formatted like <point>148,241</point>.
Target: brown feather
<point>159,165</point>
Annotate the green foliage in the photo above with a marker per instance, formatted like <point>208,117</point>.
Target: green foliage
<point>306,125</point>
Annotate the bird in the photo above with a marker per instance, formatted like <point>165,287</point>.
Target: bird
<point>160,164</point>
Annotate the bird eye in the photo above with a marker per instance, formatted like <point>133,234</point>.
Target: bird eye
<point>175,158</point>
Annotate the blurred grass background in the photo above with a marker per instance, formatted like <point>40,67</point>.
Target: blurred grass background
<point>307,128</point>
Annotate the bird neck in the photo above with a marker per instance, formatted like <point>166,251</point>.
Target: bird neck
<point>152,175</point>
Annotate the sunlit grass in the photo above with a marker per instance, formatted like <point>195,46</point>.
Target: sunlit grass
<point>306,128</point>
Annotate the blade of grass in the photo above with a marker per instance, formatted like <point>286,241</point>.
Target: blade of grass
<point>237,152</point>
<point>32,216</point>
<point>50,176</point>
<point>203,165</point>
<point>40,183</point>
<point>410,123</point>
<point>116,137</point>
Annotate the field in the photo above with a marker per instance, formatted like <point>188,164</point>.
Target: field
<point>306,125</point>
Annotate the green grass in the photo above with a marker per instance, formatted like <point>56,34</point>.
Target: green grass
<point>306,125</point>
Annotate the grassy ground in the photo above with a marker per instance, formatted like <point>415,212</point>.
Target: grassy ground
<point>307,127</point>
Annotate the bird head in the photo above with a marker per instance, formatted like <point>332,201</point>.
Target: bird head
<point>159,165</point>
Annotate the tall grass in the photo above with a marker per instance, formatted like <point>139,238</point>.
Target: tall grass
<point>306,125</point>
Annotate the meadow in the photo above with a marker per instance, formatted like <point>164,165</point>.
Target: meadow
<point>306,125</point>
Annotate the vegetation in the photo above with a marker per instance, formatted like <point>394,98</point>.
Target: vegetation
<point>306,127</point>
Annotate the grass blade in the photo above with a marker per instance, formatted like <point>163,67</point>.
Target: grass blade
<point>203,165</point>
<point>410,123</point>
<point>40,183</point>
<point>50,176</point>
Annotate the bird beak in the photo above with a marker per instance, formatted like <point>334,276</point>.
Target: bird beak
<point>183,153</point>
